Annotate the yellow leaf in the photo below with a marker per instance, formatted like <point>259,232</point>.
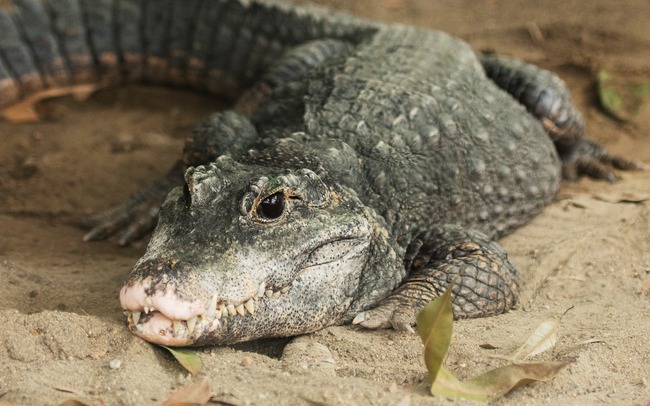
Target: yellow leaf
<point>434,325</point>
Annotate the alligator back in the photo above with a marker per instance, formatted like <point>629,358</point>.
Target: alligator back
<point>410,121</point>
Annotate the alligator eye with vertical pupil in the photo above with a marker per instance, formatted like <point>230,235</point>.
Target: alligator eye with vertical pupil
<point>272,206</point>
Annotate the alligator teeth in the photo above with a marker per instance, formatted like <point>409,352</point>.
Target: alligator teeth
<point>176,324</point>
<point>359,318</point>
<point>261,290</point>
<point>240,310</point>
<point>191,323</point>
<point>250,306</point>
<point>231,309</point>
<point>135,317</point>
<point>212,308</point>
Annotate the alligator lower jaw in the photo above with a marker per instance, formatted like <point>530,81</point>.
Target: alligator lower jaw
<point>157,328</point>
<point>165,319</point>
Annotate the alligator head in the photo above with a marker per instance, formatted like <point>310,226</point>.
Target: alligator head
<point>245,251</point>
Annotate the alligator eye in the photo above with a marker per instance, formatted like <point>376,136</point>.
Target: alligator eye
<point>272,206</point>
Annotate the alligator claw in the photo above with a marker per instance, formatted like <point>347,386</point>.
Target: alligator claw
<point>137,216</point>
<point>143,224</point>
<point>359,318</point>
<point>104,225</point>
<point>138,220</point>
<point>386,316</point>
<point>590,159</point>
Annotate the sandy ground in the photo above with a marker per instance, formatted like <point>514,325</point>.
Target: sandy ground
<point>62,323</point>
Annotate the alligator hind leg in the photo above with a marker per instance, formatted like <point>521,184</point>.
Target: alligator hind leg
<point>547,98</point>
<point>487,282</point>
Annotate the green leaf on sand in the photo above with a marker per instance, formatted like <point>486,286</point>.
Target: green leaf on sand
<point>621,98</point>
<point>434,325</point>
<point>188,359</point>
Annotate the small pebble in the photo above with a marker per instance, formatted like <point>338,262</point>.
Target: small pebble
<point>246,361</point>
<point>115,364</point>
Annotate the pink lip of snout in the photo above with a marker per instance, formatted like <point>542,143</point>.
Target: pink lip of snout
<point>170,320</point>
<point>134,298</point>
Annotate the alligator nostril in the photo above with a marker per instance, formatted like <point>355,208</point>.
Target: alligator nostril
<point>187,195</point>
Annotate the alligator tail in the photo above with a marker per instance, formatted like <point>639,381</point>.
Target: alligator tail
<point>218,46</point>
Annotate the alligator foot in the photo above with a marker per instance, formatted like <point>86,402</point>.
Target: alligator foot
<point>138,215</point>
<point>590,159</point>
<point>547,97</point>
<point>222,131</point>
<point>487,283</point>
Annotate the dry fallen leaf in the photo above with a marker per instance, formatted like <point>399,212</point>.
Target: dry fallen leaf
<point>196,393</point>
<point>591,341</point>
<point>25,110</point>
<point>434,325</point>
<point>72,402</point>
<point>622,197</point>
<point>542,339</point>
<point>494,383</point>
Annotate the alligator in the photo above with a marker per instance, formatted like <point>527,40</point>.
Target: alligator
<point>362,166</point>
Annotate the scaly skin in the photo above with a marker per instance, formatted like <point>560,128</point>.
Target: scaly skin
<point>363,166</point>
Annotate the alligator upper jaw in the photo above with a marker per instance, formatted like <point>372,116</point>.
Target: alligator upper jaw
<point>169,303</point>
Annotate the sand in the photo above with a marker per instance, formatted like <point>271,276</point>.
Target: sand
<point>63,326</point>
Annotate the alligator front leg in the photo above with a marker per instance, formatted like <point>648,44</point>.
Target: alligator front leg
<point>225,132</point>
<point>487,282</point>
<point>137,215</point>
